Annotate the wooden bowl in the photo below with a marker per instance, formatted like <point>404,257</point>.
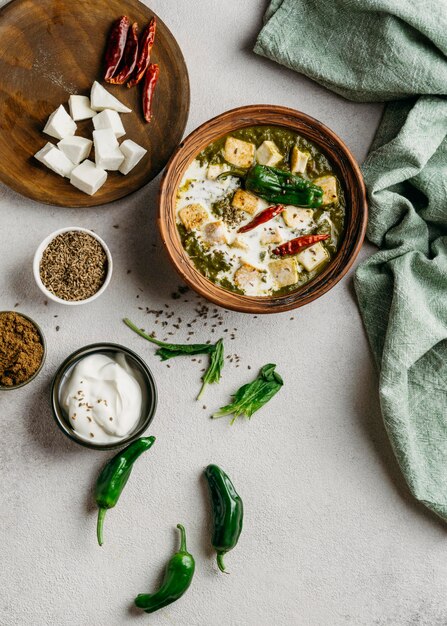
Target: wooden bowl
<point>344,165</point>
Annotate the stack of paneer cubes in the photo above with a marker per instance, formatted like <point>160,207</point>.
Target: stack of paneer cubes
<point>69,158</point>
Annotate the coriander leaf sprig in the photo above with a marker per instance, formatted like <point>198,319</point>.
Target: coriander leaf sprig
<point>251,397</point>
<point>214,371</point>
<point>170,350</point>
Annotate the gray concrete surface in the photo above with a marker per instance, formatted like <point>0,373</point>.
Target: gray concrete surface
<point>331,535</point>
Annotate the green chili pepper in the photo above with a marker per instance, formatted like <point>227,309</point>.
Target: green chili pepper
<point>282,187</point>
<point>178,577</point>
<point>114,476</point>
<point>228,512</point>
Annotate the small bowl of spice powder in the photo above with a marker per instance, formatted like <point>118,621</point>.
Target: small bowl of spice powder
<point>72,266</point>
<point>22,350</point>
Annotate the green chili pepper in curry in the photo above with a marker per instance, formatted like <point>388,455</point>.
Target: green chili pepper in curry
<point>282,187</point>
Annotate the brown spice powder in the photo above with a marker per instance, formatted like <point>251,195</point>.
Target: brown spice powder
<point>73,266</point>
<point>21,349</point>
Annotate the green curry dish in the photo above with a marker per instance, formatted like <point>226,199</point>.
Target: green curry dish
<point>236,179</point>
<point>282,187</point>
<point>209,263</point>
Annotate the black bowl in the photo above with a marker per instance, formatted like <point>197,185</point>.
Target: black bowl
<point>149,406</point>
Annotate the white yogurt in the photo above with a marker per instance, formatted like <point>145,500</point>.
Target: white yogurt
<point>103,398</point>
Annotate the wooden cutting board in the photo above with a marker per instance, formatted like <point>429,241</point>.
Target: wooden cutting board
<point>53,48</point>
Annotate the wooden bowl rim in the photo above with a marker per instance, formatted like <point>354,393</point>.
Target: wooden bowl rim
<point>180,259</point>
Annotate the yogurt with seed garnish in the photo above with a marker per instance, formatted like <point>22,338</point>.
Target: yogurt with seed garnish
<point>103,398</point>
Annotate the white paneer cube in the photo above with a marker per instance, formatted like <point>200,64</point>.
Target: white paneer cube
<point>298,161</point>
<point>216,170</point>
<point>60,124</point>
<point>109,119</point>
<point>193,216</point>
<point>55,160</point>
<point>329,187</point>
<point>295,217</point>
<point>284,272</point>
<point>313,257</point>
<point>133,153</point>
<point>248,278</point>
<point>88,177</point>
<point>101,99</point>
<point>239,153</point>
<point>43,151</point>
<point>75,148</point>
<point>245,201</point>
<point>108,156</point>
<point>215,232</point>
<point>80,108</point>
<point>268,154</point>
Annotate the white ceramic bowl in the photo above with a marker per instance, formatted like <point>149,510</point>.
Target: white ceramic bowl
<point>38,258</point>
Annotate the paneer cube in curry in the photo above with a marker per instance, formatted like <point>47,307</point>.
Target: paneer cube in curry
<point>239,153</point>
<point>268,154</point>
<point>329,187</point>
<point>312,257</point>
<point>215,233</point>
<point>284,272</point>
<point>295,217</point>
<point>298,161</point>
<point>193,216</point>
<point>248,277</point>
<point>245,201</point>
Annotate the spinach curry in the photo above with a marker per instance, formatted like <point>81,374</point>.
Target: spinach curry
<point>260,211</point>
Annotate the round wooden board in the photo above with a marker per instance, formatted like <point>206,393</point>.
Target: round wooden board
<point>53,48</point>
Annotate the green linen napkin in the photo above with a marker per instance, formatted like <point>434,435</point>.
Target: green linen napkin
<point>377,50</point>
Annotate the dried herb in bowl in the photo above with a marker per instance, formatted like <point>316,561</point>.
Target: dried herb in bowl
<point>73,266</point>
<point>21,349</point>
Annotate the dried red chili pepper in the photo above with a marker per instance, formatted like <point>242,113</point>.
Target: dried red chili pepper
<point>115,46</point>
<point>264,216</point>
<point>295,245</point>
<point>152,74</point>
<point>144,56</point>
<point>129,57</point>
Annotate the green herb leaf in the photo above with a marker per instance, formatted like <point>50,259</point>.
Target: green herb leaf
<point>252,396</point>
<point>214,371</point>
<point>237,173</point>
<point>170,350</point>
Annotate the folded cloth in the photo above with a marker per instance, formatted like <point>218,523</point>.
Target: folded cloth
<point>382,50</point>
